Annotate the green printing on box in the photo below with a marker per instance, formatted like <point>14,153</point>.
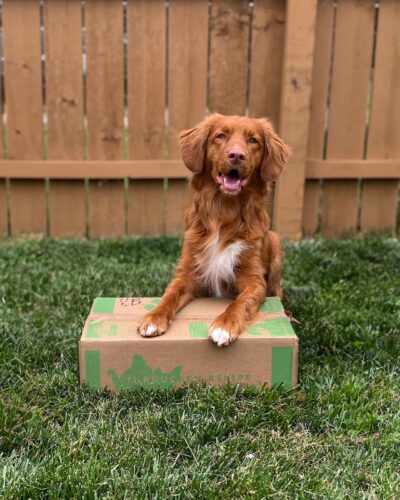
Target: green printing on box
<point>92,363</point>
<point>96,330</point>
<point>282,366</point>
<point>152,305</point>
<point>104,305</point>
<point>198,330</point>
<point>279,327</point>
<point>140,373</point>
<point>272,305</point>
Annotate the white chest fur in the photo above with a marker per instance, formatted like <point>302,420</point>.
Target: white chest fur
<point>218,265</point>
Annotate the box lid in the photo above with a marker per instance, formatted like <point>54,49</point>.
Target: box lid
<point>116,319</point>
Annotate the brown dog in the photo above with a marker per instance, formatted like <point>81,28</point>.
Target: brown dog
<point>228,250</point>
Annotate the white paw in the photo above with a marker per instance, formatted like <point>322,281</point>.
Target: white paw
<point>220,337</point>
<point>150,330</point>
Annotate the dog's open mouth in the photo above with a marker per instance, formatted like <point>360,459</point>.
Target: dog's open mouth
<point>231,183</point>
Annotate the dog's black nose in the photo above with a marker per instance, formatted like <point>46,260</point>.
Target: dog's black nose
<point>236,155</point>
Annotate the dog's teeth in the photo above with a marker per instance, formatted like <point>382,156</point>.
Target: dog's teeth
<point>150,330</point>
<point>220,337</point>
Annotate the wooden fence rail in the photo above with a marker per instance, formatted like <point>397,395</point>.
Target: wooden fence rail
<point>95,92</point>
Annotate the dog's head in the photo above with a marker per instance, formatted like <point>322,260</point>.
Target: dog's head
<point>235,151</point>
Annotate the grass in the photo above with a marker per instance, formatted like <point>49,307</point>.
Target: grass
<point>337,435</point>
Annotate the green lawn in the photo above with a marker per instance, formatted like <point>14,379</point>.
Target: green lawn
<point>337,435</point>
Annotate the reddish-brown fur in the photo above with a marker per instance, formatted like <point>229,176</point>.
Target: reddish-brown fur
<point>227,218</point>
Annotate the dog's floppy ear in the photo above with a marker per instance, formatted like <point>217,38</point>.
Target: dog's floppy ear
<point>193,144</point>
<point>193,148</point>
<point>276,153</point>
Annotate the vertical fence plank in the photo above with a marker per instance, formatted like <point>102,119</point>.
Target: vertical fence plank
<point>380,198</point>
<point>187,86</point>
<point>146,103</point>
<point>379,205</point>
<point>322,54</point>
<point>105,110</point>
<point>351,71</point>
<point>3,187</point>
<point>267,45</point>
<point>295,114</point>
<point>188,35</point>
<point>319,94</point>
<point>3,209</point>
<point>64,98</point>
<point>23,88</point>
<point>230,24</point>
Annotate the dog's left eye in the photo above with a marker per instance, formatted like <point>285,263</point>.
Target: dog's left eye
<point>253,140</point>
<point>221,136</point>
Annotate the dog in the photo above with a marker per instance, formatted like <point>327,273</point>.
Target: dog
<point>228,249</point>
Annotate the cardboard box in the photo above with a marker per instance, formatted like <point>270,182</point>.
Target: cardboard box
<point>112,354</point>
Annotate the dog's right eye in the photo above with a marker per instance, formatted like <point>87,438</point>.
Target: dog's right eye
<point>221,136</point>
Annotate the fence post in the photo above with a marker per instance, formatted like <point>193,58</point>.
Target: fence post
<point>295,114</point>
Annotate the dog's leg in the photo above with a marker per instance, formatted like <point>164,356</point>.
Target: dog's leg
<point>232,322</point>
<point>176,296</point>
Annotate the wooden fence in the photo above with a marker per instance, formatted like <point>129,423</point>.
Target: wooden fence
<point>95,92</point>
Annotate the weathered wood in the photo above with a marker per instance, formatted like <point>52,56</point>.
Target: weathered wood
<point>267,45</point>
<point>175,169</point>
<point>352,169</point>
<point>23,88</point>
<point>230,22</point>
<point>319,95</point>
<point>311,207</point>
<point>3,209</point>
<point>64,99</point>
<point>187,91</point>
<point>146,103</point>
<point>379,205</point>
<point>295,114</point>
<point>178,196</point>
<point>27,218</point>
<point>3,187</point>
<point>351,72</point>
<point>336,155</point>
<point>67,209</point>
<point>145,217</point>
<point>380,198</point>
<point>2,148</point>
<point>105,109</point>
<point>107,209</point>
<point>187,70</point>
<point>89,169</point>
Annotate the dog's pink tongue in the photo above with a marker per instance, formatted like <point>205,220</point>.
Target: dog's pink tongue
<point>231,183</point>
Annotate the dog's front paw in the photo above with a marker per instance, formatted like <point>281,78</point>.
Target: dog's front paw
<point>220,336</point>
<point>153,324</point>
<point>223,332</point>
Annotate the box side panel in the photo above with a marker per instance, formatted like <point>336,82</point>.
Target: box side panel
<point>149,362</point>
<point>125,365</point>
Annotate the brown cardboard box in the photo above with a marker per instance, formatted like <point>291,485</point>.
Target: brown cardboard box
<point>112,354</point>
